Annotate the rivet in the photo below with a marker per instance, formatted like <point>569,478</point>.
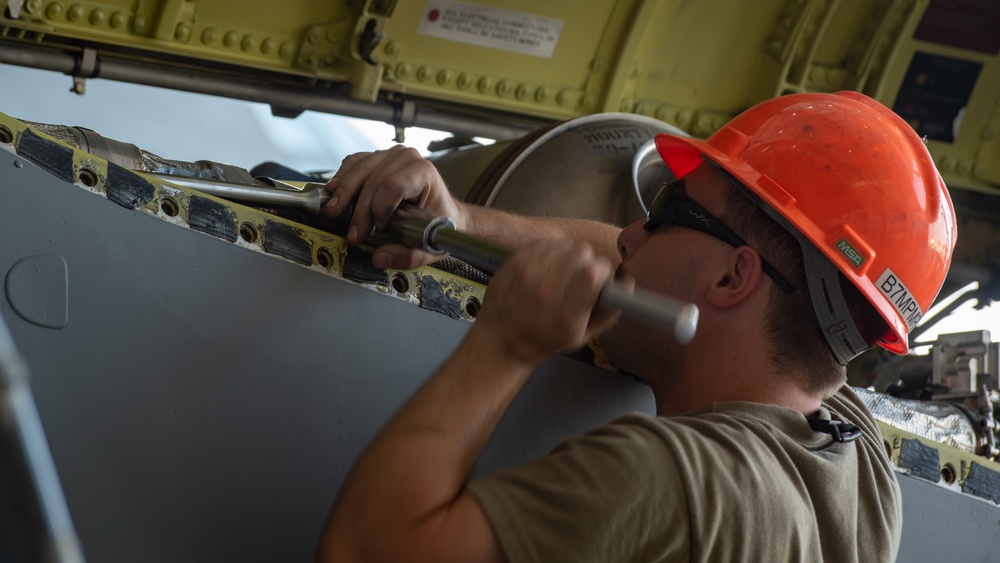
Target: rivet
<point>314,36</point>
<point>484,84</point>
<point>684,118</point>
<point>542,95</point>
<point>54,10</point>
<point>392,48</point>
<point>332,35</point>
<point>98,16</point>
<point>981,170</point>
<point>424,73</point>
<point>139,24</point>
<point>564,97</point>
<point>597,65</point>
<point>33,6</point>
<point>403,70</point>
<point>589,101</point>
<point>268,46</point>
<point>231,39</point>
<point>947,164</point>
<point>18,164</point>
<point>118,20</point>
<point>504,87</point>
<point>287,50</point>
<point>75,13</point>
<point>249,43</point>
<point>702,124</point>
<point>663,113</point>
<point>464,81</point>
<point>444,76</point>
<point>209,35</point>
<point>965,167</point>
<point>523,92</point>
<point>183,31</point>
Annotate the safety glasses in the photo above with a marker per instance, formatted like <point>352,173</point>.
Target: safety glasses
<point>672,206</point>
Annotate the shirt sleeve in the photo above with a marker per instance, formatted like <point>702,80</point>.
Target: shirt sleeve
<point>613,494</point>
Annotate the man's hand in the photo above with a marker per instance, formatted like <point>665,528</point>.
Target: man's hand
<point>543,300</point>
<point>381,181</point>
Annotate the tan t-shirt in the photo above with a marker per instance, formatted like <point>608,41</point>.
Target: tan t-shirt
<point>734,482</point>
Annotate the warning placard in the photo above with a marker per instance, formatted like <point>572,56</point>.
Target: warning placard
<point>486,26</point>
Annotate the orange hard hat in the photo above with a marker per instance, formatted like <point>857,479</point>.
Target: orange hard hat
<point>854,179</point>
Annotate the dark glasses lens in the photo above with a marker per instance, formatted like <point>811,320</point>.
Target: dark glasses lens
<point>661,211</point>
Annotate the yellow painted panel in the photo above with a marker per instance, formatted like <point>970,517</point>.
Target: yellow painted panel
<point>691,64</point>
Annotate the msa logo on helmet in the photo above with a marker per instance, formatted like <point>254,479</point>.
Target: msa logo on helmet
<point>852,255</point>
<point>900,297</point>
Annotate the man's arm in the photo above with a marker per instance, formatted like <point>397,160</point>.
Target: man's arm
<point>382,180</point>
<point>404,500</point>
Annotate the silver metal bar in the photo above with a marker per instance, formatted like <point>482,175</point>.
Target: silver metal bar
<point>311,198</point>
<point>477,123</point>
<point>477,252</point>
<point>667,313</point>
<point>654,309</point>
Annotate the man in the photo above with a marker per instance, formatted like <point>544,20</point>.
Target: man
<point>809,228</point>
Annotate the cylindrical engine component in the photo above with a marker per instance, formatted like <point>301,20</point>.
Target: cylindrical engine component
<point>578,168</point>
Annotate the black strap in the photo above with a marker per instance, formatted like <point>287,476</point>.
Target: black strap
<point>841,432</point>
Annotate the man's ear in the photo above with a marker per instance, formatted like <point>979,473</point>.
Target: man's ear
<point>740,275</point>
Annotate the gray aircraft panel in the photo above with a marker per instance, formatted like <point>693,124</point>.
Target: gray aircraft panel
<point>943,525</point>
<point>204,401</point>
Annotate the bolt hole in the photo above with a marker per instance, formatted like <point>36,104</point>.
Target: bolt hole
<point>88,177</point>
<point>324,257</point>
<point>6,137</point>
<point>400,283</point>
<point>169,207</point>
<point>472,307</point>
<point>248,232</point>
<point>948,473</point>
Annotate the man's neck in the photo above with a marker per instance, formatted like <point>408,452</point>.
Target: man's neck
<point>685,392</point>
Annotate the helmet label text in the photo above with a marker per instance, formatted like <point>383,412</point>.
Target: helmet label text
<point>892,287</point>
<point>845,247</point>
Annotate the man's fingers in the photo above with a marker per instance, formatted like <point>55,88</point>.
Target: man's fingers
<point>350,177</point>
<point>378,182</point>
<point>347,180</point>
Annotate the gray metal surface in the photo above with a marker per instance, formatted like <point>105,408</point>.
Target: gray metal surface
<point>34,520</point>
<point>943,525</point>
<point>203,401</point>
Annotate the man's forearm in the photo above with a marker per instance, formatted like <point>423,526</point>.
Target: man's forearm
<point>514,231</point>
<point>396,502</point>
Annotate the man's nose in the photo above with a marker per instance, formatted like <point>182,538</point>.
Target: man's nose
<point>631,238</point>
